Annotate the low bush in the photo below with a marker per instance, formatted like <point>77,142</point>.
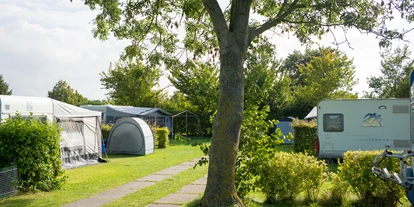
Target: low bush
<point>106,130</point>
<point>288,174</point>
<point>371,191</point>
<point>336,193</point>
<point>305,136</point>
<point>255,148</point>
<point>34,148</point>
<point>161,136</point>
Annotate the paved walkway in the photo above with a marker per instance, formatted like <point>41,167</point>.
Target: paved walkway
<point>184,195</point>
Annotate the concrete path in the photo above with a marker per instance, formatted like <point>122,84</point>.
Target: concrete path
<point>108,196</point>
<point>185,195</point>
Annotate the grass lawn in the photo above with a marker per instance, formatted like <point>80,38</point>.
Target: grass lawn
<point>86,181</point>
<point>150,194</point>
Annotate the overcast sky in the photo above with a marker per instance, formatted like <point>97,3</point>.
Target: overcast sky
<point>43,41</point>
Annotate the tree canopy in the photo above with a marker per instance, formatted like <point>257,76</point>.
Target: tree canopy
<point>328,76</point>
<point>132,83</point>
<point>4,87</point>
<point>63,92</point>
<point>396,67</point>
<point>225,34</point>
<point>317,74</point>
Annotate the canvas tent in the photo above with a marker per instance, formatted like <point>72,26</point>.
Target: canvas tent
<point>131,136</point>
<point>81,134</point>
<point>313,114</point>
<point>110,114</point>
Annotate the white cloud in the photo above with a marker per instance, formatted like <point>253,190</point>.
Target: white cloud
<point>46,42</point>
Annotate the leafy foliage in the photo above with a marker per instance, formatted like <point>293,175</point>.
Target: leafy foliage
<point>293,61</point>
<point>199,83</point>
<point>34,147</point>
<point>287,174</point>
<point>337,192</point>
<point>328,76</point>
<point>63,92</point>
<point>265,82</point>
<point>161,136</point>
<point>396,67</point>
<point>318,74</point>
<point>255,148</point>
<point>132,84</point>
<point>211,31</point>
<point>356,172</point>
<point>4,87</point>
<point>305,136</point>
<point>106,130</point>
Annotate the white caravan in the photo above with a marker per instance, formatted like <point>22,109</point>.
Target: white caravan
<point>81,134</point>
<point>362,124</point>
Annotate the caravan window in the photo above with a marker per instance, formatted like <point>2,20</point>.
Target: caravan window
<point>333,122</point>
<point>42,118</point>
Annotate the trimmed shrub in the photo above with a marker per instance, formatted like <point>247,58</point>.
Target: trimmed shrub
<point>371,191</point>
<point>288,174</point>
<point>34,148</point>
<point>106,130</point>
<point>305,136</point>
<point>161,136</point>
<point>336,193</point>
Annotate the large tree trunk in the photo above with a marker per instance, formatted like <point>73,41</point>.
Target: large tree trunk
<point>221,189</point>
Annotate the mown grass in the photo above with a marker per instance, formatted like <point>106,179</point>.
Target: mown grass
<point>86,181</point>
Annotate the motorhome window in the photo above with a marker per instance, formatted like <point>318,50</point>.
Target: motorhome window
<point>333,122</point>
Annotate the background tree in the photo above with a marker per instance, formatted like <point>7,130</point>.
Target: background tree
<point>396,67</point>
<point>176,104</point>
<point>293,61</point>
<point>132,83</point>
<point>4,87</point>
<point>265,84</point>
<point>329,76</point>
<point>97,102</point>
<point>198,81</point>
<point>323,73</point>
<point>63,92</point>
<point>228,32</point>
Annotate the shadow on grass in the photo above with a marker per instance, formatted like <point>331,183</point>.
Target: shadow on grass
<point>296,203</point>
<point>194,203</point>
<point>285,148</point>
<point>332,165</point>
<point>119,156</point>
<point>191,141</point>
<point>17,202</point>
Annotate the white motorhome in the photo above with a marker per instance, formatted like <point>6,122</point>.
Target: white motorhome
<point>362,124</point>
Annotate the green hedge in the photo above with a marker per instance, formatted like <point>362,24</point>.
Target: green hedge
<point>161,136</point>
<point>371,191</point>
<point>305,136</point>
<point>288,174</point>
<point>106,130</point>
<point>34,148</point>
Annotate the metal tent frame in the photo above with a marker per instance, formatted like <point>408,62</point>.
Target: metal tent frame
<point>186,115</point>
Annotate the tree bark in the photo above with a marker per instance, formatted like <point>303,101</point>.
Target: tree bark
<point>233,42</point>
<point>221,189</point>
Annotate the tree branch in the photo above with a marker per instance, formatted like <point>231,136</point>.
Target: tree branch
<point>239,21</point>
<point>273,22</point>
<point>217,17</point>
